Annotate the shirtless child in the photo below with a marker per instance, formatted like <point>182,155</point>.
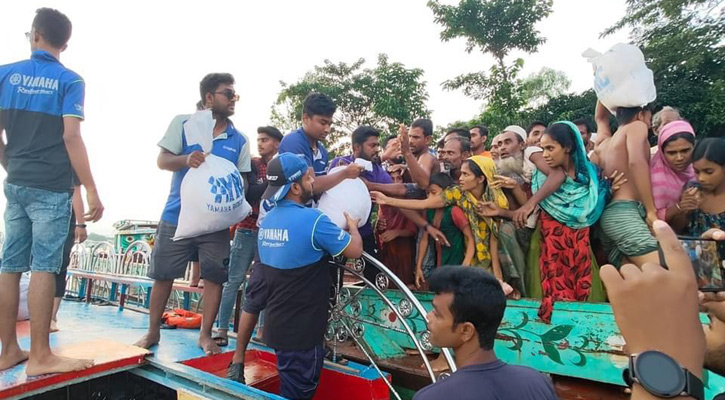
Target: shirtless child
<point>627,219</point>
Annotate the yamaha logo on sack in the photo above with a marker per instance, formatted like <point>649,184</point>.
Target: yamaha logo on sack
<point>228,192</point>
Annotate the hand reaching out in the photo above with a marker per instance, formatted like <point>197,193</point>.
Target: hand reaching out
<point>379,198</point>
<point>638,297</point>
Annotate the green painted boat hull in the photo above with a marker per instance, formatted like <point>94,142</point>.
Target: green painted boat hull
<point>582,340</point>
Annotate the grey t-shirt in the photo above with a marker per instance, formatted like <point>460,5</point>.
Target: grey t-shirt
<point>492,381</point>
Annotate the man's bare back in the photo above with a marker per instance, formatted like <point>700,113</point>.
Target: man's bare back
<point>612,155</point>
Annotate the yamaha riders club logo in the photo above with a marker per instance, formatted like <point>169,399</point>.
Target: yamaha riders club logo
<point>15,79</point>
<point>228,192</point>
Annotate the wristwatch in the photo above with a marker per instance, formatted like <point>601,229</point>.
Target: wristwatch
<point>661,376</point>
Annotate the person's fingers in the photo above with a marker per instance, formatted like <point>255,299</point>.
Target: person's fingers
<point>707,297</point>
<point>714,233</point>
<point>610,277</point>
<point>440,237</point>
<point>675,257</point>
<point>650,268</point>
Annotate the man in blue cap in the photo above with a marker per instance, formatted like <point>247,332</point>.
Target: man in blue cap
<point>292,280</point>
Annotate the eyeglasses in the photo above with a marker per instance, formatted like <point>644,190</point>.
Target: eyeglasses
<point>28,36</point>
<point>229,94</point>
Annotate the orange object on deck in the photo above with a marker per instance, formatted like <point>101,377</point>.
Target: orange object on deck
<point>182,319</point>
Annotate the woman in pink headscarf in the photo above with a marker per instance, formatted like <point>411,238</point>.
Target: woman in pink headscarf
<point>671,171</point>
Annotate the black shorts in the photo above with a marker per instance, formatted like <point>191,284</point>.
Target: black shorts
<point>169,258</point>
<point>255,295</point>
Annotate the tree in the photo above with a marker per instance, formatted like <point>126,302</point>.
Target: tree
<point>495,27</point>
<point>383,96</point>
<point>542,96</point>
<point>546,84</point>
<point>682,41</point>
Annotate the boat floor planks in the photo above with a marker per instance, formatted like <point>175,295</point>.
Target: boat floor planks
<point>109,357</point>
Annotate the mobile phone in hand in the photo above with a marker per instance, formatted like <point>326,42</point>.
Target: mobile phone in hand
<point>706,261</point>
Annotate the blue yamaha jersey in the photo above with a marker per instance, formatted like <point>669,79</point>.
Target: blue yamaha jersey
<point>35,95</point>
<point>294,236</point>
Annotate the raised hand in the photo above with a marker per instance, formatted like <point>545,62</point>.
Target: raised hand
<point>404,139</point>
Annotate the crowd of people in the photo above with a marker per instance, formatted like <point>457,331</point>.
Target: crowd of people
<point>476,217</point>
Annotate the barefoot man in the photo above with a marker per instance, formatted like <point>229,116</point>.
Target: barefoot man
<point>170,258</point>
<point>41,107</point>
<point>627,219</point>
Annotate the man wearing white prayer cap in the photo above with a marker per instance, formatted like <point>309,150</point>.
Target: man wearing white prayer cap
<point>517,130</point>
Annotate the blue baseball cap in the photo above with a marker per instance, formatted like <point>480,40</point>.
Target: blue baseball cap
<point>282,172</point>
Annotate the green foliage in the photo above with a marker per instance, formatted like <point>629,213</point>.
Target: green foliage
<point>383,96</point>
<point>497,27</point>
<point>683,45</point>
<point>540,96</point>
<point>563,107</point>
<point>493,26</point>
<point>538,88</point>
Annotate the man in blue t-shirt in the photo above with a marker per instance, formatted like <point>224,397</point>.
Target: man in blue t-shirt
<point>292,280</point>
<point>317,112</point>
<point>41,108</point>
<point>467,310</point>
<point>169,258</point>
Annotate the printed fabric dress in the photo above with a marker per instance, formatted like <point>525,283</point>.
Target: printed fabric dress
<point>483,227</point>
<point>566,216</point>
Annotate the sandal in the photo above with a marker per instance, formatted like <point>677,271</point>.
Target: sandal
<point>221,341</point>
<point>236,372</point>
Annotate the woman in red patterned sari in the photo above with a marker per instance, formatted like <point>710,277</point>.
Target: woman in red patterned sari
<point>567,214</point>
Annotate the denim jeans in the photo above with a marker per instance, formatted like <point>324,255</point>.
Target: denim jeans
<point>240,258</point>
<point>36,224</point>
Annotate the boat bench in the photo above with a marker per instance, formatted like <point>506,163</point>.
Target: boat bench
<point>123,283</point>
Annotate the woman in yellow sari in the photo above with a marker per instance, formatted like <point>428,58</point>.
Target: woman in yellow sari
<point>472,188</point>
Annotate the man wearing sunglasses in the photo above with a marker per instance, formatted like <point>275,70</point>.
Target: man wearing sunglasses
<point>170,258</point>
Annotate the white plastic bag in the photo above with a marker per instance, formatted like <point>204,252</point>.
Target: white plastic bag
<point>212,196</point>
<point>621,77</point>
<point>351,196</point>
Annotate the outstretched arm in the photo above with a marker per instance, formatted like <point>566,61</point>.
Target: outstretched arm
<point>390,189</point>
<point>430,202</point>
<point>326,182</point>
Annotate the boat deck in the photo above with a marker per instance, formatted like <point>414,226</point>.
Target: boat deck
<point>106,334</point>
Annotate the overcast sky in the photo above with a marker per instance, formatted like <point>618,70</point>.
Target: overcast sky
<point>142,63</point>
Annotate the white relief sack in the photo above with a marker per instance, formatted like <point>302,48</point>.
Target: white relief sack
<point>351,196</point>
<point>212,196</point>
<point>621,77</point>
